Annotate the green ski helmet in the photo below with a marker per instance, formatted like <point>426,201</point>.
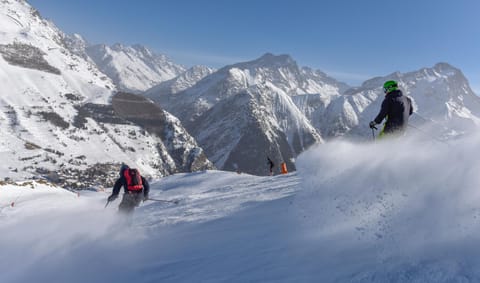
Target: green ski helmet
<point>390,86</point>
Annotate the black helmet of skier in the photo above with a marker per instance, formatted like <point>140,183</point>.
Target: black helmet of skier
<point>123,168</point>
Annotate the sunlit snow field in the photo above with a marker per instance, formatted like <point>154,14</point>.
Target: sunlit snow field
<point>403,210</point>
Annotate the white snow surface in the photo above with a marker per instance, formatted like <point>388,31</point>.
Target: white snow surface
<point>182,82</point>
<point>20,24</point>
<point>401,210</point>
<point>133,68</point>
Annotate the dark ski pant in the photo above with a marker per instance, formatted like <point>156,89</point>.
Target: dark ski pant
<point>129,201</point>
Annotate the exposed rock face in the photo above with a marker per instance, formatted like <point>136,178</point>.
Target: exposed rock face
<point>182,148</point>
<point>27,56</point>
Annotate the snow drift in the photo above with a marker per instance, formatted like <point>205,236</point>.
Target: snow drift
<point>403,210</point>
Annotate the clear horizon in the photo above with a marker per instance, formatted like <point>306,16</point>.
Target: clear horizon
<point>350,41</point>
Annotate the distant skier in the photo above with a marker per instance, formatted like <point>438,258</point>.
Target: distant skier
<point>136,189</point>
<point>271,165</point>
<point>396,108</point>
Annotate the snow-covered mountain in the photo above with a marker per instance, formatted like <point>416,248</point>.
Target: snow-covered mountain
<point>281,104</point>
<point>244,112</point>
<point>240,114</point>
<point>187,79</point>
<point>77,45</point>
<point>56,118</point>
<point>280,72</point>
<point>132,68</point>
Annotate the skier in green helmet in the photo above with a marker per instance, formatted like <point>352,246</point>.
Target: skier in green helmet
<point>396,108</point>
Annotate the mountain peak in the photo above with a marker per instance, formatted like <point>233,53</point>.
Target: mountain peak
<point>443,65</point>
<point>118,47</point>
<point>446,68</point>
<point>78,37</point>
<point>146,52</point>
<point>271,59</point>
<point>267,60</point>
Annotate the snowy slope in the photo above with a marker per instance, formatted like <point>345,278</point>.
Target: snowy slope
<point>55,117</point>
<point>27,39</point>
<point>98,236</point>
<point>77,45</point>
<point>133,68</point>
<point>411,216</point>
<point>182,82</point>
<point>351,213</point>
<point>39,77</point>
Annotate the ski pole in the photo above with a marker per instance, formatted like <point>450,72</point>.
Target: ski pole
<point>163,200</point>
<point>373,132</point>
<point>107,204</point>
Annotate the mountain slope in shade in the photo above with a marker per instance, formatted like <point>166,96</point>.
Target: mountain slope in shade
<point>244,112</point>
<point>250,129</point>
<point>180,146</point>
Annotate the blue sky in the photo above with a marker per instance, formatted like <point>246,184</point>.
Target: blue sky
<point>350,40</point>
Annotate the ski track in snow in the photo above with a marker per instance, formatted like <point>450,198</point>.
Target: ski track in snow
<point>352,213</point>
<point>38,231</point>
<point>200,199</point>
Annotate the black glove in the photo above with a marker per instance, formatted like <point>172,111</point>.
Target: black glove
<point>112,198</point>
<point>372,125</point>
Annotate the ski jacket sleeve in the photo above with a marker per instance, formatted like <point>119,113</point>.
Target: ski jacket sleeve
<point>146,187</point>
<point>383,111</point>
<point>411,106</point>
<point>118,185</point>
